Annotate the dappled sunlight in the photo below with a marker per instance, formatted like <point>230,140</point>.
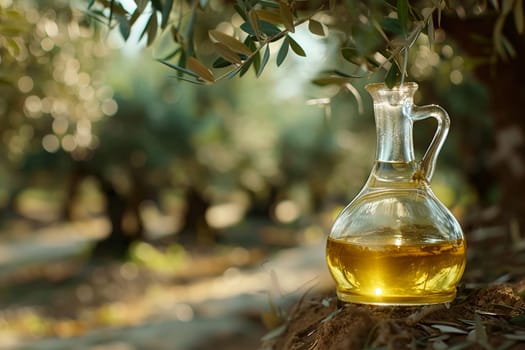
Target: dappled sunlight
<point>71,92</point>
<point>168,283</point>
<point>287,211</point>
<point>224,215</point>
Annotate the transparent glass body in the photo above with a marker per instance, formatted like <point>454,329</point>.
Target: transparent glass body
<point>396,243</point>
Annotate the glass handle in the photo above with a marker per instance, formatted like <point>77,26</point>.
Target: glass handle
<point>428,162</point>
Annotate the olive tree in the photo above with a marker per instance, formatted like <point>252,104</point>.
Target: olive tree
<point>208,41</point>
<point>53,91</point>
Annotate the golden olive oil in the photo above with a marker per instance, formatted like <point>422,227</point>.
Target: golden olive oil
<point>405,273</point>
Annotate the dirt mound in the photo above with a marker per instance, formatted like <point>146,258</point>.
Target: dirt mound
<point>485,318</point>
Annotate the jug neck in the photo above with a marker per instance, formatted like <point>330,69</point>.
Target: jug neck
<point>392,111</point>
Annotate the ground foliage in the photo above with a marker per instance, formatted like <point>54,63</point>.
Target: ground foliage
<point>485,318</point>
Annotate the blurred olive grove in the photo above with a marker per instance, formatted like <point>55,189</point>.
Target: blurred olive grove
<point>98,122</point>
<point>102,144</point>
<point>87,118</point>
<point>92,129</point>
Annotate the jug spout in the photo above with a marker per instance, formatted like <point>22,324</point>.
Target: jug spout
<point>392,111</point>
<point>395,114</point>
<point>396,95</point>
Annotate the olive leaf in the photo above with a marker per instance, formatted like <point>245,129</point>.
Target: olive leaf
<point>334,80</point>
<point>256,57</point>
<point>430,31</point>
<point>287,16</point>
<point>221,63</point>
<point>241,12</point>
<point>283,51</point>
<point>402,15</point>
<point>150,28</point>
<point>391,75</point>
<point>254,24</point>
<point>226,53</point>
<point>390,25</point>
<point>274,333</point>
<point>340,73</point>
<point>141,5</point>
<point>166,10</point>
<point>296,47</point>
<point>232,43</point>
<point>269,16</point>
<point>124,26</point>
<point>440,8</point>
<point>111,4</point>
<point>246,66</point>
<point>156,5</point>
<point>263,27</point>
<point>172,54</point>
<point>444,328</point>
<point>233,72</point>
<point>351,54</point>
<point>480,331</point>
<point>515,336</point>
<point>179,68</point>
<point>196,66</point>
<point>134,17</point>
<point>264,61</point>
<point>316,27</point>
<point>509,48</point>
<point>266,3</point>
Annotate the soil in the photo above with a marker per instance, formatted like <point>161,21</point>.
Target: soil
<point>484,318</point>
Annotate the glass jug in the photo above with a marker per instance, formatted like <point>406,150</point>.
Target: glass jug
<point>396,243</point>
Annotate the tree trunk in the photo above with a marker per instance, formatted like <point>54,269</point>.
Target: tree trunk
<point>125,219</point>
<point>262,204</point>
<point>195,227</point>
<point>77,175</point>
